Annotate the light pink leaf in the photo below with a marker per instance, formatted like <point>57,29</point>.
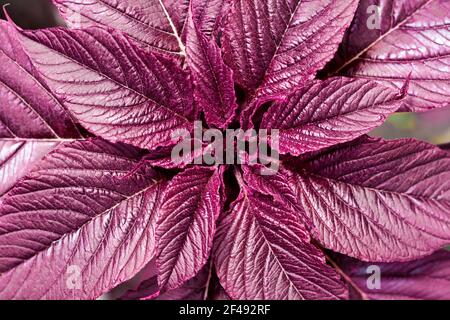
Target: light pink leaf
<point>213,79</point>
<point>115,89</point>
<point>411,39</point>
<point>375,200</point>
<point>76,226</point>
<point>262,251</point>
<point>276,45</point>
<point>186,225</point>
<point>325,113</point>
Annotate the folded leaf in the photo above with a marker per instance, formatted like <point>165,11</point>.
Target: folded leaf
<point>276,45</point>
<point>376,200</point>
<point>213,79</point>
<point>72,228</point>
<point>424,279</point>
<point>186,225</point>
<point>407,38</point>
<point>325,113</point>
<point>115,89</point>
<point>262,251</point>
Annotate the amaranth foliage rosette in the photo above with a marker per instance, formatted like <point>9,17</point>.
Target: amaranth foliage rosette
<point>88,188</point>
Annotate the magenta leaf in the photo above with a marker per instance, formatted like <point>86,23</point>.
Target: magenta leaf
<point>153,23</point>
<point>375,200</point>
<point>157,24</point>
<point>194,289</point>
<point>73,227</point>
<point>32,119</point>
<point>28,108</point>
<point>213,79</point>
<point>273,46</point>
<point>424,279</point>
<point>325,113</point>
<point>186,225</point>
<point>210,14</point>
<point>262,251</point>
<point>18,157</point>
<point>137,97</point>
<point>406,38</point>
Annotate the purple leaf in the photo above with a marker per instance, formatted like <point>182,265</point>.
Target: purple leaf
<point>262,251</point>
<point>18,157</point>
<point>376,200</point>
<point>154,23</point>
<point>412,38</point>
<point>325,113</point>
<point>445,146</point>
<point>186,225</point>
<point>424,279</point>
<point>276,45</point>
<point>73,228</point>
<point>209,14</point>
<point>136,97</point>
<point>157,24</point>
<point>213,79</point>
<point>194,289</point>
<point>32,120</point>
<point>28,108</point>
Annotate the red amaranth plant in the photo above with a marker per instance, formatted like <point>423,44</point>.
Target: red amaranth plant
<point>89,196</point>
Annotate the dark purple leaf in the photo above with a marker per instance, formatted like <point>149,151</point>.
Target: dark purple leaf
<point>74,227</point>
<point>424,279</point>
<point>375,200</point>
<point>213,79</point>
<point>325,113</point>
<point>262,251</point>
<point>136,97</point>
<point>273,46</point>
<point>413,39</point>
<point>186,225</point>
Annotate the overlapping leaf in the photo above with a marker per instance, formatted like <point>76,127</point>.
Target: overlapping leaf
<point>186,225</point>
<point>32,119</point>
<point>262,251</point>
<point>73,227</point>
<point>375,200</point>
<point>276,45</point>
<point>213,79</point>
<point>325,113</point>
<point>392,39</point>
<point>115,89</point>
<point>424,279</point>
